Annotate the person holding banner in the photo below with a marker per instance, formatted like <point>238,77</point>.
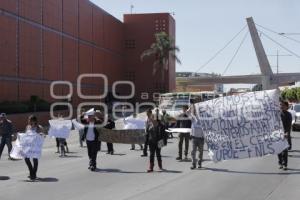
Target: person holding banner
<point>6,133</point>
<point>155,131</point>
<point>183,122</point>
<point>60,129</point>
<point>197,137</point>
<point>135,123</point>
<point>167,121</point>
<point>286,118</point>
<point>61,143</point>
<point>33,126</point>
<point>91,136</point>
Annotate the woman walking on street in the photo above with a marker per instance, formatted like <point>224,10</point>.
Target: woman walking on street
<point>33,127</point>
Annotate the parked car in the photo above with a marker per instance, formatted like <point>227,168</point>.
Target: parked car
<point>295,111</point>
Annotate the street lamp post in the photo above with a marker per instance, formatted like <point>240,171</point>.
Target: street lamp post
<point>277,59</point>
<point>131,8</point>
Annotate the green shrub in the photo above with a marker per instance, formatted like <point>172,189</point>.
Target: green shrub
<point>292,94</point>
<point>13,107</point>
<point>34,104</point>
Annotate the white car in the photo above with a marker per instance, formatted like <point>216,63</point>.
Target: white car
<point>295,111</point>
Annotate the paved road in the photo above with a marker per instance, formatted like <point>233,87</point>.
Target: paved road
<point>122,176</point>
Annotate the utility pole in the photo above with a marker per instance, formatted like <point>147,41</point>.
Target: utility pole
<point>131,8</point>
<point>277,59</point>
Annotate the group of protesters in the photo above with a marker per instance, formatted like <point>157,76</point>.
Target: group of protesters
<point>155,136</point>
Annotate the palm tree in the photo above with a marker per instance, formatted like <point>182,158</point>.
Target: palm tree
<point>162,49</point>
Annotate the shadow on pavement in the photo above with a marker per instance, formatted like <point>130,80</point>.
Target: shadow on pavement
<point>117,171</point>
<point>128,172</point>
<point>117,154</point>
<point>294,156</point>
<point>4,178</point>
<point>288,172</point>
<point>72,152</point>
<point>170,171</point>
<point>47,179</point>
<point>166,156</point>
<point>186,160</point>
<point>294,151</point>
<point>43,180</point>
<point>70,156</point>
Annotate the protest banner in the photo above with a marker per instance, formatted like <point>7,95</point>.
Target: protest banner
<point>134,123</point>
<point>78,126</point>
<point>242,126</point>
<point>60,128</point>
<point>28,145</point>
<point>179,130</point>
<point>136,136</point>
<point>16,152</point>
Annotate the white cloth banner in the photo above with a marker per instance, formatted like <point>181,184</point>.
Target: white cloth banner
<point>16,151</point>
<point>179,130</point>
<point>28,145</point>
<point>242,126</point>
<point>78,126</point>
<point>134,123</point>
<point>60,128</point>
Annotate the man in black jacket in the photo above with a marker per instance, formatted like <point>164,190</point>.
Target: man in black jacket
<point>183,122</point>
<point>286,118</point>
<point>91,136</point>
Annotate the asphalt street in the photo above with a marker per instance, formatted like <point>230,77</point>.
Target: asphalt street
<point>123,176</point>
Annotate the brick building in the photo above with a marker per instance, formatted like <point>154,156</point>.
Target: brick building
<point>46,40</point>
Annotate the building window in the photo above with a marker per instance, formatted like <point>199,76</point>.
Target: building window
<point>160,25</point>
<point>130,44</point>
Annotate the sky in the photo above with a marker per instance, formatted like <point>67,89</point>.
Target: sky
<point>203,27</point>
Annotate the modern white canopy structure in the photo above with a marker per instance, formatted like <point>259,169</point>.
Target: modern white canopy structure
<point>267,78</point>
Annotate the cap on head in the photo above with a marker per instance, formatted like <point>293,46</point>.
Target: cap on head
<point>3,115</point>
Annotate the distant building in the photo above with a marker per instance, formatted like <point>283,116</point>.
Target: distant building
<point>139,35</point>
<point>198,88</point>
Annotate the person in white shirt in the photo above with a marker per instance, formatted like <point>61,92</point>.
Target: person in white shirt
<point>197,137</point>
<point>33,126</point>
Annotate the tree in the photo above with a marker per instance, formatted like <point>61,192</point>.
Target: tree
<point>162,49</point>
<point>292,94</point>
<point>34,100</point>
<point>283,94</point>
